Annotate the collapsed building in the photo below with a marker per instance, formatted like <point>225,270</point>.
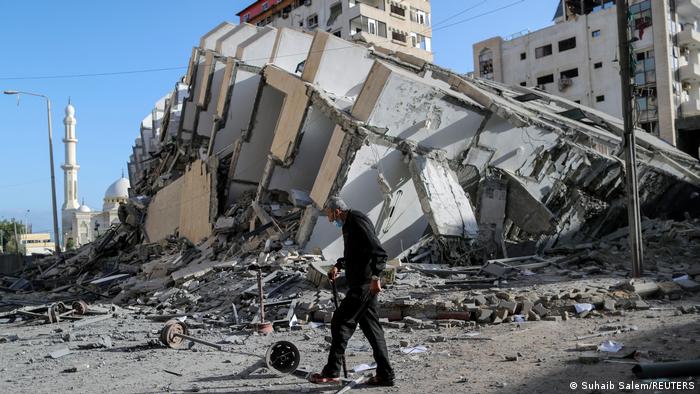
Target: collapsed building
<point>272,122</point>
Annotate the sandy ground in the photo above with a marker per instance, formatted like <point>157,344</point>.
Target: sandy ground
<point>547,361</point>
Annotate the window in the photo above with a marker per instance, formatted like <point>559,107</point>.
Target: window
<point>246,17</point>
<point>523,83</point>
<point>265,6</point>
<point>569,43</point>
<point>486,63</point>
<point>543,51</point>
<point>420,41</point>
<point>523,55</point>
<point>640,15</point>
<point>595,33</point>
<point>646,104</point>
<point>645,68</point>
<point>398,36</point>
<point>545,79</point>
<point>312,21</point>
<point>573,73</point>
<point>577,101</point>
<point>397,10</point>
<point>598,65</point>
<point>336,10</point>
<point>419,16</point>
<point>369,25</point>
<point>599,99</point>
<point>337,33</point>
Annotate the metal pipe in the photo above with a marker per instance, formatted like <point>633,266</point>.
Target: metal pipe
<point>201,341</point>
<point>667,370</point>
<point>260,297</point>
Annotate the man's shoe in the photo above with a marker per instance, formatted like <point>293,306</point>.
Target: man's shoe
<point>319,378</point>
<point>380,381</point>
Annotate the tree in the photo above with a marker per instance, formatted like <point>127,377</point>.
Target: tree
<point>70,244</point>
<point>8,243</point>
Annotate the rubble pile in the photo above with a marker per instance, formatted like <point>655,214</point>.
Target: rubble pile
<point>470,184</point>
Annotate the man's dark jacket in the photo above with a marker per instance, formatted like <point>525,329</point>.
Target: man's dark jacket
<point>363,256</point>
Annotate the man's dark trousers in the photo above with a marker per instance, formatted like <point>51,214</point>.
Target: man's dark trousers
<point>358,307</point>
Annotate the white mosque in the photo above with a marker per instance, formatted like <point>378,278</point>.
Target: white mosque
<point>80,223</point>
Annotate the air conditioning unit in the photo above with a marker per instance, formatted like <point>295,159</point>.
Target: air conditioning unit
<point>285,15</point>
<point>565,83</point>
<point>307,3</point>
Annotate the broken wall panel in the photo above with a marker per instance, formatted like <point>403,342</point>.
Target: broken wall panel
<point>293,111</point>
<point>210,39</point>
<point>241,102</point>
<point>331,57</point>
<point>163,214</point>
<point>442,198</point>
<point>411,108</point>
<point>330,167</point>
<point>255,143</point>
<point>291,48</point>
<point>182,206</point>
<point>257,49</point>
<point>228,43</point>
<point>301,174</point>
<point>194,223</point>
<point>378,183</point>
<point>208,112</point>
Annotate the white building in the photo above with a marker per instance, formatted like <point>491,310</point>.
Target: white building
<point>402,26</point>
<point>79,223</point>
<point>577,58</point>
<point>37,243</point>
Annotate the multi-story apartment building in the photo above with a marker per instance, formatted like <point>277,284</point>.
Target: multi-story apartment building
<point>577,58</point>
<point>402,26</point>
<point>37,243</point>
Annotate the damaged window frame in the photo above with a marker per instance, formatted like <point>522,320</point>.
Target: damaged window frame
<point>543,51</point>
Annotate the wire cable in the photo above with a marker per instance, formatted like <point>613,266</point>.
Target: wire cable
<point>127,72</point>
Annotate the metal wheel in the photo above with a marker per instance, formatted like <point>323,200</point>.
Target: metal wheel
<point>80,307</point>
<point>282,357</point>
<point>54,314</point>
<point>167,334</point>
<point>60,307</point>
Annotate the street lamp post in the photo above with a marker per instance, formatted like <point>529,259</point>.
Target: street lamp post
<point>53,176</point>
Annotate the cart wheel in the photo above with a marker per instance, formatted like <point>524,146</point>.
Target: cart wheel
<point>54,314</point>
<point>80,307</point>
<point>167,334</point>
<point>282,357</point>
<point>60,307</point>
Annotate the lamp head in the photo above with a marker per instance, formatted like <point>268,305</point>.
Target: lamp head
<point>11,92</point>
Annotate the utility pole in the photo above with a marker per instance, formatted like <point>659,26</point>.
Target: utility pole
<point>57,242</point>
<point>14,223</point>
<point>629,145</point>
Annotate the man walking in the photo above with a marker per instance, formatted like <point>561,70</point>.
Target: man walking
<point>363,260</point>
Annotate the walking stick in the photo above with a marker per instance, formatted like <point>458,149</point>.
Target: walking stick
<point>335,301</point>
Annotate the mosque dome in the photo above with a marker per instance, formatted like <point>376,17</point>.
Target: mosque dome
<point>84,208</point>
<point>118,190</point>
<point>70,110</point>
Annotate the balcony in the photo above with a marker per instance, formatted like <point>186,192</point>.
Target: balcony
<point>690,73</point>
<point>378,4</point>
<point>688,8</point>
<point>691,107</point>
<point>689,38</point>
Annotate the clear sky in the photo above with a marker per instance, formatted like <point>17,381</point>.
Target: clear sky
<point>48,39</point>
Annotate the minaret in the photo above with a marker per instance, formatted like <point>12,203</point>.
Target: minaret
<point>70,171</point>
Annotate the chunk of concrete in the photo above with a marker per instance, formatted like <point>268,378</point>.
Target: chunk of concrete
<point>540,310</point>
